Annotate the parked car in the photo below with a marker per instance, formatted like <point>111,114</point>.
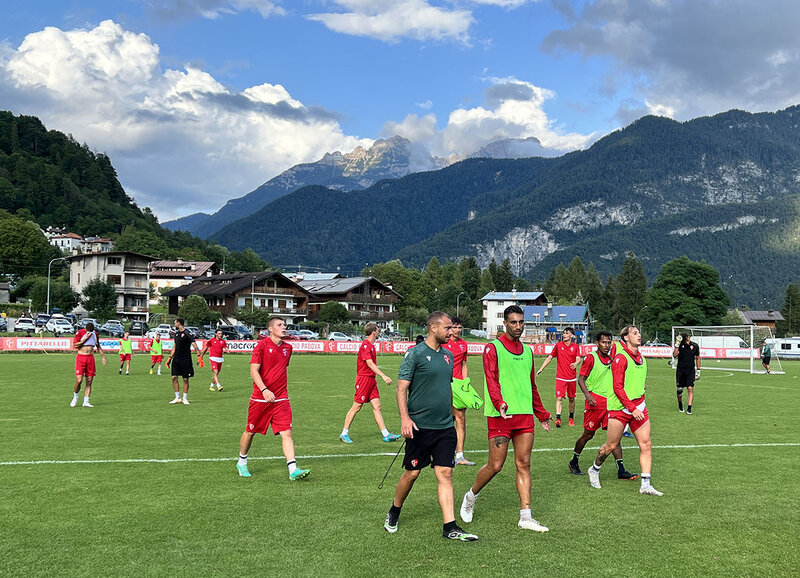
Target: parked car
<point>59,325</point>
<point>3,324</point>
<point>83,322</point>
<point>339,336</point>
<point>160,331</point>
<point>24,324</point>
<point>41,320</point>
<point>291,335</point>
<point>229,332</point>
<point>308,334</point>
<point>138,328</point>
<point>112,328</point>
<point>244,332</point>
<point>195,331</point>
<point>71,318</point>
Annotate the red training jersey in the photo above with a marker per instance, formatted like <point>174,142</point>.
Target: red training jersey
<point>459,350</point>
<point>365,353</point>
<point>618,369</point>
<point>215,347</point>
<point>492,374</point>
<point>565,356</point>
<point>273,359</point>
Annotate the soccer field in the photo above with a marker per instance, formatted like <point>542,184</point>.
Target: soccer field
<point>138,487</point>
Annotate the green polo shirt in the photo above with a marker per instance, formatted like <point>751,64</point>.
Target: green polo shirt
<point>429,395</point>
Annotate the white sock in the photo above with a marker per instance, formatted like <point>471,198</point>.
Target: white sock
<point>595,467</point>
<point>525,514</point>
<point>292,466</point>
<point>177,395</point>
<point>242,460</point>
<point>219,384</point>
<point>345,431</point>
<point>459,455</point>
<point>212,384</point>
<point>159,371</point>
<point>471,496</point>
<point>185,395</point>
<point>645,480</point>
<point>75,395</point>
<point>85,399</point>
<point>385,432</point>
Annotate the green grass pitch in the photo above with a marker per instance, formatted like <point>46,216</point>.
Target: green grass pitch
<point>728,509</point>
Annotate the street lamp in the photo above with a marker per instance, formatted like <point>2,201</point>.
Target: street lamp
<point>637,313</point>
<point>48,280</point>
<point>458,302</point>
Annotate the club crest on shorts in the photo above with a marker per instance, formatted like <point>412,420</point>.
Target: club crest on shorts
<point>251,426</point>
<point>414,463</point>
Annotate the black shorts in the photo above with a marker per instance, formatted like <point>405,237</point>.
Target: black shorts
<point>436,447</point>
<point>766,360</point>
<point>182,367</point>
<point>684,378</point>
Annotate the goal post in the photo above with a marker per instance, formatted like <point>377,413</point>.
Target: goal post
<point>731,347</point>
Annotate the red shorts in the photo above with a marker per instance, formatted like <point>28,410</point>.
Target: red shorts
<point>366,389</point>
<point>566,388</point>
<point>628,419</point>
<point>216,366</point>
<point>261,415</point>
<point>510,428</point>
<point>124,356</point>
<point>84,365</point>
<point>156,358</point>
<point>596,416</point>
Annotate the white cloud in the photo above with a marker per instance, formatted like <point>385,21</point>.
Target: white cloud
<point>413,128</point>
<point>180,140</point>
<point>391,20</point>
<point>213,9</point>
<point>427,105</point>
<point>692,57</point>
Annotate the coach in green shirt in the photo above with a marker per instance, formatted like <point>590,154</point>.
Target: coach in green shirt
<point>425,400</point>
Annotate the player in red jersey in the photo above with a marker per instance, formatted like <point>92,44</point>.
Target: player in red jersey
<point>215,346</point>
<point>568,355</point>
<point>269,402</point>
<point>367,386</point>
<point>86,340</point>
<point>458,347</point>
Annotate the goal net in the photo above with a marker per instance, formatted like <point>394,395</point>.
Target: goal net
<point>732,347</point>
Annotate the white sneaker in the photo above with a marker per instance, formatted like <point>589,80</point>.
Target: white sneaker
<point>650,491</point>
<point>467,508</point>
<point>531,524</point>
<point>87,404</point>
<point>74,402</point>
<point>594,478</point>
<point>176,400</point>
<point>185,401</point>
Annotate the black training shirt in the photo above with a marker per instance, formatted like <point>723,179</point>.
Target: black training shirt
<point>183,344</point>
<point>686,355</point>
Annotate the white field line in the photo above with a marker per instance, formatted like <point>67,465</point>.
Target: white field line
<point>373,455</point>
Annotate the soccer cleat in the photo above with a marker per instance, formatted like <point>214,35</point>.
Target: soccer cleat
<point>390,525</point>
<point>345,438</point>
<point>462,461</point>
<point>219,388</point>
<point>74,402</point>
<point>467,508</point>
<point>299,474</point>
<point>688,412</point>
<point>558,422</point>
<point>531,524</point>
<point>120,371</point>
<point>626,475</point>
<point>571,421</point>
<point>176,400</point>
<point>185,401</point>
<point>151,371</point>
<point>594,478</point>
<point>87,404</point>
<point>159,371</point>
<point>627,434</point>
<point>127,373</point>
<point>243,471</point>
<point>650,491</point>
<point>391,437</point>
<point>211,388</point>
<point>459,534</point>
<point>574,468</point>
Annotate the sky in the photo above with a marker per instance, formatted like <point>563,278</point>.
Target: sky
<point>200,101</point>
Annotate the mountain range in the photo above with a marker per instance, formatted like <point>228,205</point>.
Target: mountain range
<point>723,189</point>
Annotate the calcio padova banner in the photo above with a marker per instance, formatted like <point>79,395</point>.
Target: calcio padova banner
<point>142,345</point>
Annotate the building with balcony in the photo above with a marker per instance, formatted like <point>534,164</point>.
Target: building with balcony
<point>129,272</point>
<point>97,245</point>
<point>267,290</point>
<point>545,323</point>
<point>67,242</point>
<point>166,275</point>
<point>366,298</point>
<point>495,302</point>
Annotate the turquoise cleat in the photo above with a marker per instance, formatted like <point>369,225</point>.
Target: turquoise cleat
<point>391,437</point>
<point>243,471</point>
<point>299,474</point>
<point>345,438</point>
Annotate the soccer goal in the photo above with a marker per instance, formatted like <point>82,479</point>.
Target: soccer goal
<point>732,347</point>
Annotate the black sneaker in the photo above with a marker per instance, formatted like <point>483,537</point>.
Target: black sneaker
<point>575,469</point>
<point>626,475</point>
<point>390,525</point>
<point>680,407</point>
<point>688,411</point>
<point>456,534</point>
